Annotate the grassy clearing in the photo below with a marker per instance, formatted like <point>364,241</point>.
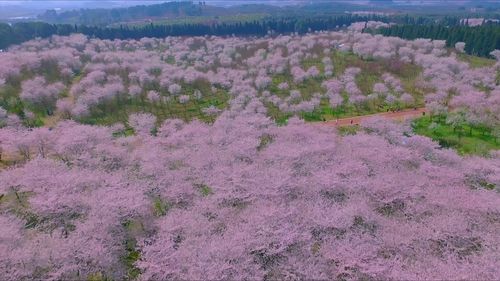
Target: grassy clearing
<point>10,101</point>
<point>161,206</point>
<point>475,61</point>
<point>348,130</point>
<point>371,72</point>
<point>204,189</point>
<point>133,230</point>
<point>10,94</point>
<point>469,140</point>
<point>119,109</point>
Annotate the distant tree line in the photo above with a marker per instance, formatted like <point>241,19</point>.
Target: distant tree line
<point>479,40</point>
<point>107,16</point>
<point>175,10</point>
<point>24,31</point>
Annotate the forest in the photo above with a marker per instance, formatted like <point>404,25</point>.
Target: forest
<point>106,16</point>
<point>23,31</point>
<point>480,40</point>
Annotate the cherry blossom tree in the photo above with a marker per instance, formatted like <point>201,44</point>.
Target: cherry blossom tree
<point>153,96</point>
<point>174,89</point>
<point>460,47</point>
<point>184,99</point>
<point>142,123</point>
<point>38,92</point>
<point>283,86</point>
<point>407,99</point>
<point>495,54</point>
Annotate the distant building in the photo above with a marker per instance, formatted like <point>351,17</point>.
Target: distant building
<point>476,21</point>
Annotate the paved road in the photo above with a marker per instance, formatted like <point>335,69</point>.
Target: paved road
<point>399,116</point>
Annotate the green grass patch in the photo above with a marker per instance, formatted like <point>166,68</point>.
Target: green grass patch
<point>477,182</point>
<point>371,72</point>
<point>119,109</point>
<point>9,97</point>
<point>204,189</point>
<point>161,206</point>
<point>468,140</point>
<point>265,140</point>
<point>475,61</point>
<point>126,132</point>
<point>281,118</point>
<point>325,112</point>
<point>10,94</point>
<point>98,276</point>
<point>133,230</point>
<point>348,130</point>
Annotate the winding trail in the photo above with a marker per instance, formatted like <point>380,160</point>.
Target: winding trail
<point>398,116</point>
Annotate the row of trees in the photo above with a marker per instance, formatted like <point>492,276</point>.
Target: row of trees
<point>108,16</point>
<point>24,31</point>
<point>480,40</point>
<point>172,10</point>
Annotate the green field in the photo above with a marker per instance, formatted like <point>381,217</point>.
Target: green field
<point>118,110</point>
<point>468,140</point>
<point>475,61</point>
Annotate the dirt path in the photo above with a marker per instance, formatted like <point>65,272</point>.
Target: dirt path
<point>399,116</point>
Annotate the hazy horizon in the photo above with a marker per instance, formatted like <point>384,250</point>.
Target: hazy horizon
<point>25,9</point>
